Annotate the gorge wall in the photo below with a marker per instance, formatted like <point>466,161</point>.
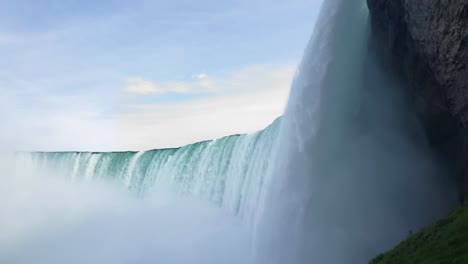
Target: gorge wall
<point>425,44</point>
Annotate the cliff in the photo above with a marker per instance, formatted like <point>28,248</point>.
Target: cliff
<point>425,43</point>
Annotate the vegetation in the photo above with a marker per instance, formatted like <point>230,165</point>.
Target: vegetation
<point>441,243</point>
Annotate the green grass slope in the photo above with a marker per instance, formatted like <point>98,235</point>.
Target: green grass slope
<point>441,243</point>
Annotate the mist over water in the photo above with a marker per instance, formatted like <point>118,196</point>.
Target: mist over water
<point>48,220</point>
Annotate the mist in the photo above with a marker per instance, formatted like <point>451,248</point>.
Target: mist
<point>47,219</point>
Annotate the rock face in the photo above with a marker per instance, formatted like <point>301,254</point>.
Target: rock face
<point>425,42</point>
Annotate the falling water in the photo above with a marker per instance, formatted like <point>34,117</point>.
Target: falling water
<point>227,172</point>
<point>353,173</point>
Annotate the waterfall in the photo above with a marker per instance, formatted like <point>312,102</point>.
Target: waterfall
<point>353,173</point>
<point>228,172</point>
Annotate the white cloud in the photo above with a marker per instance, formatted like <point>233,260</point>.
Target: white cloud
<point>255,77</point>
<point>138,85</point>
<point>200,83</point>
<point>250,78</point>
<point>199,76</point>
<point>246,101</point>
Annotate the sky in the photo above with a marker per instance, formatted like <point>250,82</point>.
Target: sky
<point>136,75</point>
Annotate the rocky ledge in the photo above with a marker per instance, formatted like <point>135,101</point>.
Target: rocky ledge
<point>426,43</point>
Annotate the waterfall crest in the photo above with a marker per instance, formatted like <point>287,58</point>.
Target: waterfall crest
<point>228,171</point>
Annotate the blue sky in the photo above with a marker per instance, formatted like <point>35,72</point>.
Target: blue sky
<point>104,75</point>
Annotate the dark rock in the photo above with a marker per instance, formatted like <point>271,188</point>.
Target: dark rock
<point>426,43</point>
